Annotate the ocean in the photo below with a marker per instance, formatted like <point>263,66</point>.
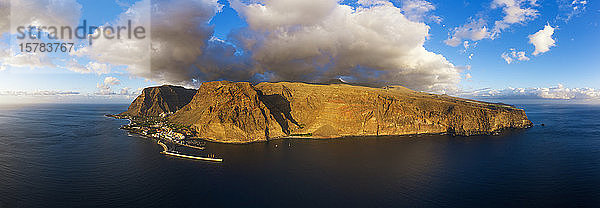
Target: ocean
<point>71,155</point>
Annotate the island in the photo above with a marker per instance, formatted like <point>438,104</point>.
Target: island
<point>242,112</point>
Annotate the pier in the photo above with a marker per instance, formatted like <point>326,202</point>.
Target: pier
<point>167,152</point>
<point>164,146</point>
<point>192,157</point>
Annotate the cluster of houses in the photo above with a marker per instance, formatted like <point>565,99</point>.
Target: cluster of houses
<point>156,131</point>
<point>167,133</point>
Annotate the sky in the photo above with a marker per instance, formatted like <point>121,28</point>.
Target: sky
<point>514,50</point>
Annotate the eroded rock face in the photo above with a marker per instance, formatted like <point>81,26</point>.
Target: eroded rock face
<point>155,101</point>
<point>345,110</point>
<point>230,112</point>
<point>239,112</point>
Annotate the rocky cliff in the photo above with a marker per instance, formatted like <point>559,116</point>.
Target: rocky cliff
<point>155,101</point>
<point>239,112</point>
<point>230,112</point>
<point>345,110</point>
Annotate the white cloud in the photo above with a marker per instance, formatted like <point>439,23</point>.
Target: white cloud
<point>179,48</point>
<point>4,16</point>
<point>24,60</point>
<point>60,96</point>
<point>419,10</point>
<point>558,92</point>
<point>475,30</point>
<point>122,3</point>
<point>98,68</point>
<point>275,13</point>
<point>371,2</point>
<point>133,53</point>
<point>38,12</point>
<point>542,40</point>
<point>296,40</point>
<point>507,58</point>
<point>105,87</point>
<point>4,52</point>
<point>513,54</point>
<point>33,13</point>
<point>571,8</point>
<point>125,91</point>
<point>321,39</point>
<point>40,93</point>
<point>521,56</point>
<point>112,81</point>
<point>468,76</point>
<point>578,6</point>
<point>91,67</point>
<point>515,11</point>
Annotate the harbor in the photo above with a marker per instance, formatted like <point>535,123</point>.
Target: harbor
<point>164,132</point>
<point>166,151</point>
<point>192,157</point>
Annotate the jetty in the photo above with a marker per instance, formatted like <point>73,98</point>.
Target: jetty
<point>192,157</point>
<point>175,154</point>
<point>164,146</point>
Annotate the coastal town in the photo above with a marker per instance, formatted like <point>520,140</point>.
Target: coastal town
<point>165,133</point>
<point>159,128</point>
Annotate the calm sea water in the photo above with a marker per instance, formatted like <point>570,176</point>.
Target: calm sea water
<point>73,156</point>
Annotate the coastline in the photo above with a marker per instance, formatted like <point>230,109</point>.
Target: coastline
<point>494,133</point>
<point>133,128</point>
<point>312,137</point>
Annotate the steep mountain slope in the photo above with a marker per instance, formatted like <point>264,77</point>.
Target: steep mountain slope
<point>239,112</point>
<point>230,112</point>
<point>344,110</point>
<point>155,101</point>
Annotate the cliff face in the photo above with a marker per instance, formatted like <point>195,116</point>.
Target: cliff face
<point>239,112</point>
<point>345,110</point>
<point>155,101</point>
<point>230,112</point>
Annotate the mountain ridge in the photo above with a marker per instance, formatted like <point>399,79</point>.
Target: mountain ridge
<point>239,112</point>
<point>165,99</point>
